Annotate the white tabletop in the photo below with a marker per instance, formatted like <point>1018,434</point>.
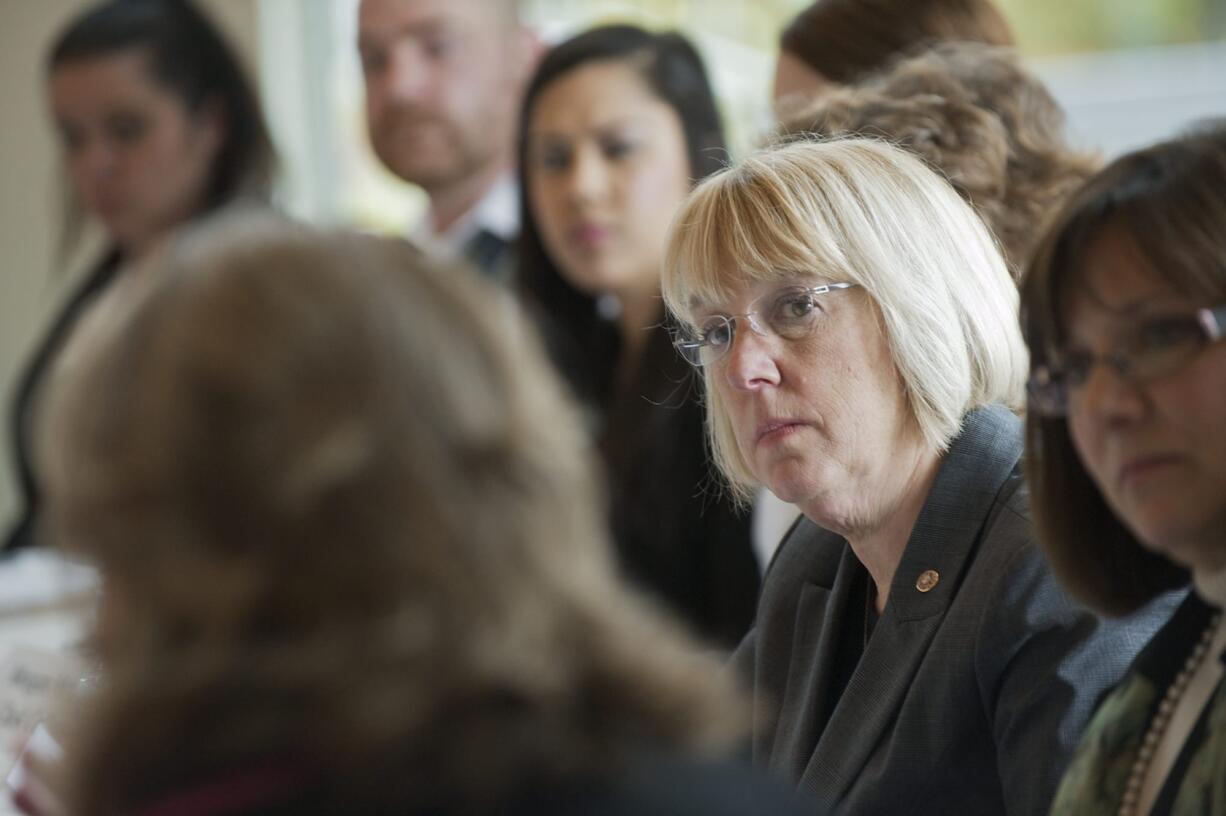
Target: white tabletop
<point>45,604</point>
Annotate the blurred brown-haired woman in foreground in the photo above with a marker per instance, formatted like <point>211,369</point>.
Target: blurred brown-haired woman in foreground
<point>351,559</point>
<point>158,125</point>
<point>977,117</point>
<point>1124,310</point>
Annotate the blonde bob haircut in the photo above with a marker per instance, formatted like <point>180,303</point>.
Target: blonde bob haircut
<point>861,211</point>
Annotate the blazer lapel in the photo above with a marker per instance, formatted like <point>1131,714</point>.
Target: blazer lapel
<point>868,707</point>
<point>820,615</point>
<point>943,541</point>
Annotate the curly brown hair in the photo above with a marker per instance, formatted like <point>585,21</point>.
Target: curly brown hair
<point>976,116</point>
<point>345,518</point>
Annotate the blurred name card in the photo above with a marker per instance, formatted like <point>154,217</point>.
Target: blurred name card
<point>32,683</point>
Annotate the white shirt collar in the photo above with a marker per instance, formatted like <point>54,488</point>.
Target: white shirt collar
<point>496,212</point>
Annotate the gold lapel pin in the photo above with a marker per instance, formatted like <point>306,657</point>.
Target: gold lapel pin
<point>927,580</point>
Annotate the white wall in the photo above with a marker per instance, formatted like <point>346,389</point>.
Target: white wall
<point>1119,101</point>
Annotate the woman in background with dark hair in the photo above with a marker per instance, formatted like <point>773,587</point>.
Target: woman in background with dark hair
<point>617,125</point>
<point>1124,307</point>
<point>158,125</point>
<point>836,42</point>
<point>975,114</point>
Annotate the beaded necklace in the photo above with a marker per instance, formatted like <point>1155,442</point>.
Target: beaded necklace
<point>1162,718</point>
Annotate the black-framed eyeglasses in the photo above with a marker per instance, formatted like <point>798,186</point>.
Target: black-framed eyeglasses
<point>791,313</point>
<point>1148,350</point>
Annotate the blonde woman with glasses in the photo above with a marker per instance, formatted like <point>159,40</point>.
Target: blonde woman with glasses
<point>857,332</point>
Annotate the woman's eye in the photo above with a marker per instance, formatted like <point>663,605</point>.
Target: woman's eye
<point>552,158</point>
<point>126,128</point>
<point>1161,335</point>
<point>717,334</point>
<point>1074,367</point>
<point>617,149</point>
<point>71,138</point>
<point>794,307</point>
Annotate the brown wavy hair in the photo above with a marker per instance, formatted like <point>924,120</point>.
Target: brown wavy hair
<point>844,39</point>
<point>345,519</point>
<point>977,117</point>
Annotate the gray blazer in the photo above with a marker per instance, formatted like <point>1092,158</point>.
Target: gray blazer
<point>969,697</point>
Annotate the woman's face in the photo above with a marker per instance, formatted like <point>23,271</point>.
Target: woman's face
<point>606,170</point>
<point>822,421</point>
<point>1156,450</point>
<point>796,82</point>
<point>137,158</point>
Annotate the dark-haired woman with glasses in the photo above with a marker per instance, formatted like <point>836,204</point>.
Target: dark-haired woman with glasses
<point>857,332</point>
<point>1125,306</point>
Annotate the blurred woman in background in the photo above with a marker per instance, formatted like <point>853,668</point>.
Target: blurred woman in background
<point>158,125</point>
<point>976,116</point>
<point>352,557</point>
<point>837,42</point>
<point>1125,311</point>
<point>616,126</point>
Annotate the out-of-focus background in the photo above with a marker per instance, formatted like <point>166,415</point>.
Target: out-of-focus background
<point>1128,72</point>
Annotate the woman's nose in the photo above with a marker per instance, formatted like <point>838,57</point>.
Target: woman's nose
<point>1109,396</point>
<point>588,178</point>
<point>94,160</point>
<point>750,363</point>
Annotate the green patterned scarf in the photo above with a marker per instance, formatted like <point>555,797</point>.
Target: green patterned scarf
<point>1094,783</point>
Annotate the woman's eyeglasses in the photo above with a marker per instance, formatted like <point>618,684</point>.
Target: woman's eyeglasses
<point>791,313</point>
<point>1151,349</point>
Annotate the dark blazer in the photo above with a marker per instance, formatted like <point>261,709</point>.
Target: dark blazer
<point>491,255</point>
<point>1196,783</point>
<point>23,410</point>
<point>667,786</point>
<point>969,697</point>
<point>652,785</point>
<point>677,536</point>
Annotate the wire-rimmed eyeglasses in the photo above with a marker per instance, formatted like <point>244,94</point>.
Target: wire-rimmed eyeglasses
<point>1148,350</point>
<point>791,313</point>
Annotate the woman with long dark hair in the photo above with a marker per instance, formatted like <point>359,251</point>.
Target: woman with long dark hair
<point>1124,307</point>
<point>617,125</point>
<point>158,125</point>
